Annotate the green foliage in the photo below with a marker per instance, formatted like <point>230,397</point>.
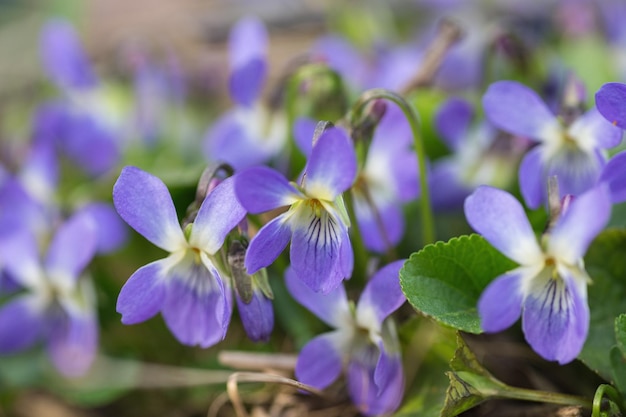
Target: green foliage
<point>445,280</point>
<point>606,265</point>
<point>470,383</point>
<point>618,354</point>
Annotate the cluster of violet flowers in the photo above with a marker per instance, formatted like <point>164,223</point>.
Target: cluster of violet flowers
<point>361,174</point>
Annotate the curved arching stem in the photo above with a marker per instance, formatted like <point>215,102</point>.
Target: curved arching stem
<point>428,226</point>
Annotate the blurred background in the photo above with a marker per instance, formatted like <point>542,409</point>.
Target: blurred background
<point>142,370</point>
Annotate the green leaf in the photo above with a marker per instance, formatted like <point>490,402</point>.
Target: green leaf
<point>427,349</point>
<point>605,263</point>
<point>618,364</point>
<point>470,382</point>
<point>445,280</point>
<point>620,333</point>
<point>618,354</point>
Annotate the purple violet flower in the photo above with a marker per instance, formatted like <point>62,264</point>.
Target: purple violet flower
<point>317,221</point>
<point>262,132</point>
<point>387,180</point>
<point>572,152</point>
<point>363,342</point>
<point>549,288</point>
<point>57,307</point>
<point>189,286</point>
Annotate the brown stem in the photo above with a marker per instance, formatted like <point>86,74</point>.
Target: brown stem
<point>449,33</point>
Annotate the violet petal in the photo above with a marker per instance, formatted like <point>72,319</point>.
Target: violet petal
<point>144,202</point>
<point>219,213</point>
<point>260,189</point>
<point>332,307</point>
<point>320,361</point>
<point>143,294</point>
<point>500,218</point>
<point>267,244</point>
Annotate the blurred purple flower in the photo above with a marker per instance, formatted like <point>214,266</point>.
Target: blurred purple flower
<point>549,288</point>
<point>571,152</point>
<point>317,221</point>
<point>57,307</point>
<point>363,342</point>
<point>480,156</point>
<point>86,123</point>
<point>188,287</point>
<point>388,180</point>
<point>249,134</point>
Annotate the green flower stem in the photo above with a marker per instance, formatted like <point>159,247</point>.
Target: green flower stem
<point>544,397</point>
<point>610,392</point>
<point>428,225</point>
<point>489,387</point>
<point>360,253</point>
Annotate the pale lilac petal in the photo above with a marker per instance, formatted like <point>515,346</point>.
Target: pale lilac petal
<point>90,143</point>
<point>20,212</point>
<point>614,175</point>
<point>221,139</point>
<point>320,361</point>
<point>576,171</point>
<point>452,121</point>
<point>8,285</point>
<point>500,304</point>
<point>393,131</point>
<point>219,213</point>
<point>395,67</point>
<point>71,249</point>
<point>143,294</point>
<point>500,218</point>
<point>40,171</point>
<point>381,296</point>
<point>248,40</point>
<point>592,131</point>
<point>369,397</point>
<point>197,308</point>
<point>267,244</point>
<point>389,381</point>
<point>532,179</point>
<point>556,319</point>
<point>340,55</point>
<point>73,343</point>
<point>585,218</point>
<point>303,130</point>
<point>257,317</point>
<point>21,324</point>
<point>517,109</point>
<point>261,189</point>
<point>20,257</point>
<point>447,192</point>
<point>404,174</point>
<point>246,82</point>
<point>379,233</point>
<point>64,58</point>
<point>331,169</point>
<point>321,255</point>
<point>144,202</point>
<point>112,232</point>
<point>48,123</point>
<point>332,307</point>
<point>610,101</point>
